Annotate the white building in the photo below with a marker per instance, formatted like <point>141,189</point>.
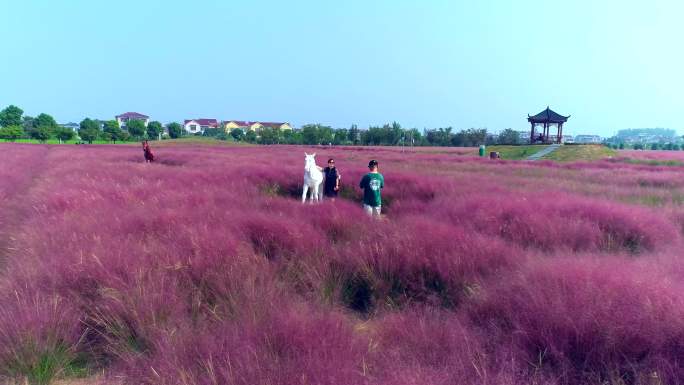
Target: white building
<point>587,139</point>
<point>198,126</point>
<point>126,116</point>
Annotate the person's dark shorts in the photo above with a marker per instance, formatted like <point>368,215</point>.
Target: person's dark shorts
<point>330,193</point>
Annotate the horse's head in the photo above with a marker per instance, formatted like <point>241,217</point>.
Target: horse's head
<point>309,161</point>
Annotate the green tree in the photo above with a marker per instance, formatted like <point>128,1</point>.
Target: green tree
<point>136,128</point>
<point>340,136</point>
<point>292,137</point>
<point>89,130</point>
<point>354,135</point>
<point>41,133</point>
<point>64,133</point>
<point>45,120</point>
<point>621,146</point>
<point>175,130</point>
<point>654,146</point>
<point>508,136</point>
<point>441,137</point>
<point>112,131</point>
<point>237,134</point>
<point>393,134</point>
<point>251,136</point>
<point>11,116</point>
<point>324,134</point>
<point>213,132</point>
<point>27,123</point>
<point>413,137</point>
<point>310,134</point>
<point>11,133</point>
<point>124,136</point>
<point>269,136</point>
<point>154,128</point>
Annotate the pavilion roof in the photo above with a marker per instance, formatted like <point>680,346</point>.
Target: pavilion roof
<point>547,116</point>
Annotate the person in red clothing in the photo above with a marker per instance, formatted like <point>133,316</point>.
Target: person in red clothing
<point>147,151</point>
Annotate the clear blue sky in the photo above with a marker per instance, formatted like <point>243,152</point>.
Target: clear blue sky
<point>611,64</point>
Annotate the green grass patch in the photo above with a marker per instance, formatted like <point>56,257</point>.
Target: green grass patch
<point>515,152</point>
<point>569,153</point>
<point>42,366</point>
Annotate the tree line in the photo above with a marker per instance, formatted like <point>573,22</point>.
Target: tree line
<point>14,125</point>
<point>392,134</point>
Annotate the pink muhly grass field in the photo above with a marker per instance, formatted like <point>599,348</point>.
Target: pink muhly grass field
<point>205,268</point>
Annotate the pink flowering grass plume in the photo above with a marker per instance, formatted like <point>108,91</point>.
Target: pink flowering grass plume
<point>204,268</point>
<point>285,344</point>
<point>590,320</point>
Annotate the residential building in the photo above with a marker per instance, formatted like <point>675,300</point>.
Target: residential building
<point>229,125</point>
<point>127,116</point>
<point>195,126</point>
<point>587,139</point>
<point>71,125</point>
<point>276,125</point>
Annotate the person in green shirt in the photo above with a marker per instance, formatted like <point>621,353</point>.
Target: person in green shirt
<point>371,184</point>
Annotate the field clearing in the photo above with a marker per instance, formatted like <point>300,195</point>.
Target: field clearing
<point>204,268</point>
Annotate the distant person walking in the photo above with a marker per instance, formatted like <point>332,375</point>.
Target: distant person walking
<point>371,184</point>
<point>147,151</point>
<point>332,180</point>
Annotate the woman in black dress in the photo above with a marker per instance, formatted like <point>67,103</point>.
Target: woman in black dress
<point>332,180</point>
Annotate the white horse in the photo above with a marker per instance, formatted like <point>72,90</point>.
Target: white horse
<point>313,178</point>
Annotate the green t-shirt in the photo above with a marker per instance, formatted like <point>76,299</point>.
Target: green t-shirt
<point>371,184</point>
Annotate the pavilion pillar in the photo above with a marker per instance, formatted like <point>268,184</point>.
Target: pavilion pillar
<point>560,133</point>
<point>546,132</point>
<point>532,134</point>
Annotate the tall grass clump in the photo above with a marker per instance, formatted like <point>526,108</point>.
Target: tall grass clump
<point>40,338</point>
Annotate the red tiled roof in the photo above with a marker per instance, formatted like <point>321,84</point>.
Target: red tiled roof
<point>241,123</point>
<point>132,115</point>
<point>204,122</point>
<point>271,124</point>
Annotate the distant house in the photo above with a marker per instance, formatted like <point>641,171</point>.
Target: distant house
<point>229,125</point>
<point>127,116</point>
<point>194,126</point>
<point>71,125</point>
<point>277,125</point>
<point>587,139</point>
